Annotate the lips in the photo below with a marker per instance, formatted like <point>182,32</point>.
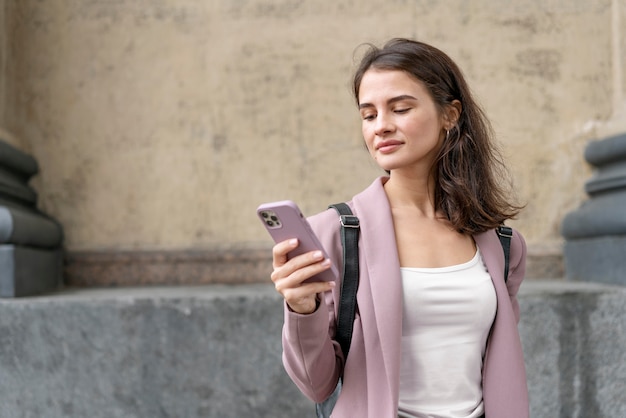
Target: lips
<point>388,146</point>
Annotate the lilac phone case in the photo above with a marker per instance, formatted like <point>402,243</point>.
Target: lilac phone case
<point>284,220</point>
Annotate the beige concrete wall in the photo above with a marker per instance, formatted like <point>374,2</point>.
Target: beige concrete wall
<point>3,48</point>
<point>163,124</point>
<point>3,66</point>
<point>7,78</point>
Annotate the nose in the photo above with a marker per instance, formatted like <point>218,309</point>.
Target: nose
<point>384,124</point>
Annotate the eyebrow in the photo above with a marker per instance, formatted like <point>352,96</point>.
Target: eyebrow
<point>390,101</point>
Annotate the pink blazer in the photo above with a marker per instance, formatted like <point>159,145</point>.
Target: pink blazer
<point>314,360</point>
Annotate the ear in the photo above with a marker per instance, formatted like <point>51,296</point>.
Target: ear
<point>452,114</point>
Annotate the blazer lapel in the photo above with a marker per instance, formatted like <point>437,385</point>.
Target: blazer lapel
<point>383,285</point>
<point>504,377</point>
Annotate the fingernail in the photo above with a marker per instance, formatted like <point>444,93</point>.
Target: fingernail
<point>326,263</point>
<point>318,254</point>
<point>293,241</point>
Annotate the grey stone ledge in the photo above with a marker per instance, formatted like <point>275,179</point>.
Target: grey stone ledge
<point>214,351</point>
<point>152,293</point>
<point>529,288</point>
<point>549,287</point>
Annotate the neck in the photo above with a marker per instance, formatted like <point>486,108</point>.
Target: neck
<point>408,190</point>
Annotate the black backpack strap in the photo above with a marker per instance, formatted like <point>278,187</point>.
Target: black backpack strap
<point>350,281</point>
<point>347,298</point>
<point>505,234</point>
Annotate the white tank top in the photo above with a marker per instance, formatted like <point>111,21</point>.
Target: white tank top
<point>447,315</point>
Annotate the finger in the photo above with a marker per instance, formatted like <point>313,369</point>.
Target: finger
<point>299,269</point>
<point>280,250</point>
<point>296,263</point>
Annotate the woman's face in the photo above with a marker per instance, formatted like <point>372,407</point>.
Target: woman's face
<point>401,124</point>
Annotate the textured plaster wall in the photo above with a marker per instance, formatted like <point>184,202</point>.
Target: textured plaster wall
<point>163,124</point>
<point>3,74</point>
<point>7,79</point>
<point>3,47</point>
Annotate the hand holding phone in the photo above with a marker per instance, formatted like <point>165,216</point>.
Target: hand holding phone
<point>284,220</point>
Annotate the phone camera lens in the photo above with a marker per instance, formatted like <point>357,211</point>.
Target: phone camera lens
<point>269,223</point>
<point>264,214</point>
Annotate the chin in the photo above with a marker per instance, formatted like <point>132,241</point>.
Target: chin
<point>388,166</point>
<point>385,167</point>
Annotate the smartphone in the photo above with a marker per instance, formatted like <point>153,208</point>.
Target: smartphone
<point>284,220</point>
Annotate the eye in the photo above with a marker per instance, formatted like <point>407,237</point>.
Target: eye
<point>368,116</point>
<point>403,110</point>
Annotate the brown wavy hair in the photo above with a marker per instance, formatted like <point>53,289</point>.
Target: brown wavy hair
<point>473,185</point>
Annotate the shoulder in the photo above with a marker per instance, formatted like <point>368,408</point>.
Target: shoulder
<point>489,241</point>
<point>517,260</point>
<point>324,220</point>
<point>327,227</point>
<point>491,248</point>
<point>518,246</point>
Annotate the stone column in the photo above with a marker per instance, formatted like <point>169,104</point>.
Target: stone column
<point>31,256</point>
<point>595,233</point>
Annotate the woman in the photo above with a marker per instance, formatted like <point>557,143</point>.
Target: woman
<point>435,333</point>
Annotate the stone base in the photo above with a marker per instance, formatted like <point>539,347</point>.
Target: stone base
<point>599,259</point>
<point>573,340</point>
<point>26,271</point>
<point>215,351</point>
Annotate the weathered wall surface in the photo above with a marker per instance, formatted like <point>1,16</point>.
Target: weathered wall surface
<point>4,76</point>
<point>163,124</point>
<point>3,48</point>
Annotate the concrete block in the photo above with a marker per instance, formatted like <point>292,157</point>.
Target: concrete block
<point>27,226</point>
<point>28,271</point>
<point>214,351</point>
<point>31,256</point>
<point>595,233</point>
<point>153,352</point>
<point>573,335</point>
<point>600,259</point>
